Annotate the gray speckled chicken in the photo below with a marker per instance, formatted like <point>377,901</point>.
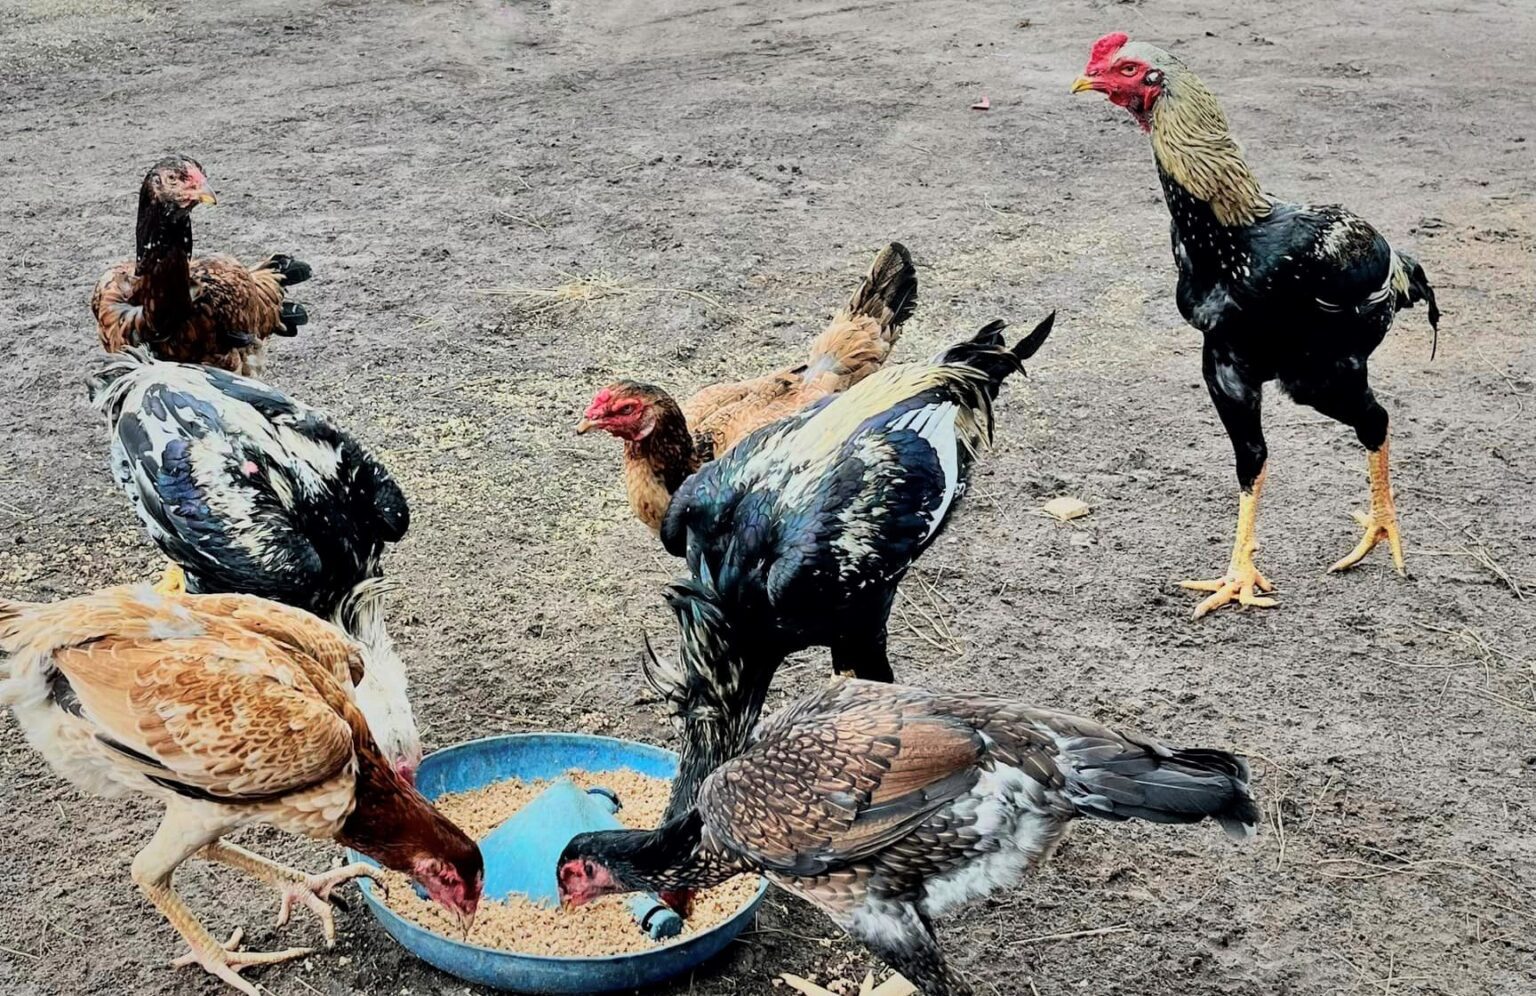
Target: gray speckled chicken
<point>886,805</point>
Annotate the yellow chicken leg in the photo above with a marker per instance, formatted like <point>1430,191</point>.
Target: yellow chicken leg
<point>1242,579</point>
<point>1381,522</point>
<point>180,835</point>
<point>312,891</point>
<point>173,581</point>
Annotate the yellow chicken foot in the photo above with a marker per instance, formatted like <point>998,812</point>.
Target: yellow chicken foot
<point>1381,522</point>
<point>312,891</point>
<point>173,581</point>
<point>222,960</point>
<point>1242,580</point>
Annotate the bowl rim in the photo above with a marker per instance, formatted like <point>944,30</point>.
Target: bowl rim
<point>380,909</point>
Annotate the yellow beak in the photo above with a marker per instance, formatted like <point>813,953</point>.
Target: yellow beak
<point>1082,83</point>
<point>583,427</point>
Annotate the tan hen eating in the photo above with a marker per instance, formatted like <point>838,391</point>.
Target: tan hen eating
<point>232,711</point>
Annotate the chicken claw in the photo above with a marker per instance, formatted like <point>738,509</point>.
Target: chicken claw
<point>1239,585</point>
<point>1242,579</point>
<point>314,891</point>
<point>1381,522</point>
<point>227,960</point>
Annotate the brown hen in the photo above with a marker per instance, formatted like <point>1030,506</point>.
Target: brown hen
<point>885,806</point>
<point>231,711</point>
<point>664,442</point>
<point>214,309</point>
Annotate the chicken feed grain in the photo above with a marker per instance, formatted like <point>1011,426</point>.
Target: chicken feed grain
<point>602,927</point>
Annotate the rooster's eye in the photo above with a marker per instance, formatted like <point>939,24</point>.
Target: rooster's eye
<point>587,869</point>
<point>1128,70</point>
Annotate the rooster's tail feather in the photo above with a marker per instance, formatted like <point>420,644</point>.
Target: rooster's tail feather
<point>1410,285</point>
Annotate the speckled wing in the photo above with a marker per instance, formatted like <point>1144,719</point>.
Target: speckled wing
<point>186,463</point>
<point>119,318</point>
<point>293,629</point>
<point>839,778</point>
<point>247,489</point>
<point>227,295</point>
<point>226,719</point>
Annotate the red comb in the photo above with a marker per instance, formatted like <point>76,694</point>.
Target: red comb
<point>600,403</point>
<point>1105,48</point>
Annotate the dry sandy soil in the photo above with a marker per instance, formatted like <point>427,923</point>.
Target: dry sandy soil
<point>719,174</point>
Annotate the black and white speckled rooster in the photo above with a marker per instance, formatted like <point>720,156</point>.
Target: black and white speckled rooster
<point>251,492</point>
<point>886,805</point>
<point>800,534</point>
<point>1298,293</point>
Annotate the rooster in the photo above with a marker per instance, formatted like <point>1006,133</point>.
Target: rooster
<point>231,711</point>
<point>1297,293</point>
<point>886,806</point>
<point>799,536</point>
<point>664,442</point>
<point>247,490</point>
<point>208,309</point>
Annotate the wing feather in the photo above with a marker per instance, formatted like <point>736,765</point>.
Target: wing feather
<point>838,780</point>
<point>229,718</point>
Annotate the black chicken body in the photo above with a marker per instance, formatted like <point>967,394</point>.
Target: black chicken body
<point>1285,292</point>
<point>248,491</point>
<point>799,536</point>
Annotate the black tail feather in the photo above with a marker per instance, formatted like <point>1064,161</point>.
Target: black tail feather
<point>290,271</point>
<point>988,352</point>
<point>237,339</point>
<point>1162,785</point>
<point>1413,287</point>
<point>1030,344</point>
<point>294,315</point>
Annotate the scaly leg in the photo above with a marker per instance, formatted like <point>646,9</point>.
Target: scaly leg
<point>1242,579</point>
<point>173,581</point>
<point>1381,523</point>
<point>313,891</point>
<point>180,835</point>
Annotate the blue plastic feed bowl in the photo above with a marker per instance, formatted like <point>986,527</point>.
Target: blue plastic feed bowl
<point>535,757</point>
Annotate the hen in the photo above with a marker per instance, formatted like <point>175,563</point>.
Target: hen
<point>664,442</point>
<point>231,711</point>
<point>207,309</point>
<point>886,806</point>
<point>250,491</point>
<point>1297,293</point>
<point>799,536</point>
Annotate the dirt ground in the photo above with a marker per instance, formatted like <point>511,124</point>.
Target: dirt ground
<point>718,175</point>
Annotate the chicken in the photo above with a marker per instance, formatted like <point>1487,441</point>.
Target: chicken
<point>664,442</point>
<point>1281,291</point>
<point>885,806</point>
<point>247,490</point>
<point>799,536</point>
<point>207,309</point>
<point>231,711</point>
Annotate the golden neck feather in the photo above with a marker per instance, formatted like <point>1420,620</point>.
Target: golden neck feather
<point>1195,147</point>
